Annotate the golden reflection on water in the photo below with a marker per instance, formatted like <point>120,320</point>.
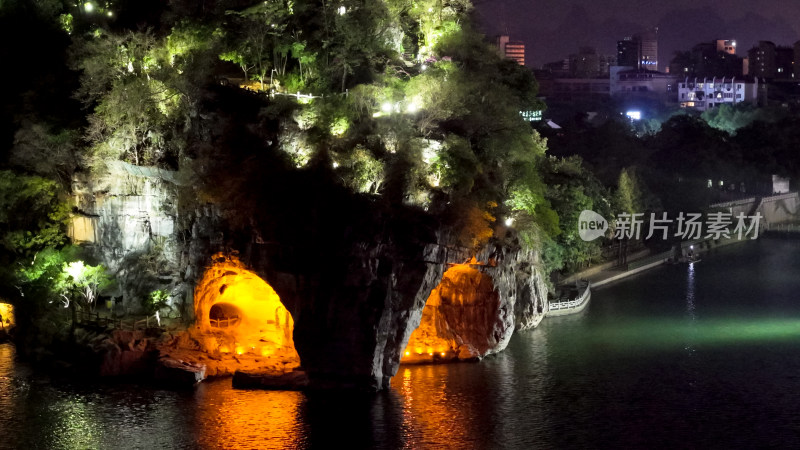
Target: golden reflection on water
<point>432,413</point>
<point>232,419</point>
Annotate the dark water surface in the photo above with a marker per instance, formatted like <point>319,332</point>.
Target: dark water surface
<point>701,356</point>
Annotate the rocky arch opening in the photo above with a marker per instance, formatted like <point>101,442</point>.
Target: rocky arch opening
<point>461,319</point>
<point>242,319</point>
<point>224,315</point>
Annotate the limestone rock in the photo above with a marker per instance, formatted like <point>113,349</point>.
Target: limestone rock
<point>179,373</point>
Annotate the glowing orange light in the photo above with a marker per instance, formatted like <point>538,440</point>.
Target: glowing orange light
<point>408,353</point>
<point>7,315</point>
<point>449,319</point>
<point>240,309</point>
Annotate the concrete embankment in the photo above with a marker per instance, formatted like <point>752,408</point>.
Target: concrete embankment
<point>607,275</point>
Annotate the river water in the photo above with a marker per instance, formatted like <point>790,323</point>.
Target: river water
<point>691,356</point>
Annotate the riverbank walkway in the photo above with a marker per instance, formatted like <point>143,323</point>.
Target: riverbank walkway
<point>607,273</point>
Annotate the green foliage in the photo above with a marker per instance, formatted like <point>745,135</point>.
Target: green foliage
<point>361,171</point>
<point>32,213</point>
<point>570,189</point>
<point>65,20</point>
<point>81,282</point>
<point>256,39</point>
<point>45,265</point>
<point>185,40</point>
<point>629,192</point>
<point>46,152</point>
<point>134,82</point>
<point>156,301</point>
<point>730,118</point>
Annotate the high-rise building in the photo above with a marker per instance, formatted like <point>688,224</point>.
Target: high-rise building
<point>648,40</point>
<point>511,49</point>
<point>639,51</point>
<point>762,60</point>
<point>629,52</point>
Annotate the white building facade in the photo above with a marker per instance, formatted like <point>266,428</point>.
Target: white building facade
<point>710,93</point>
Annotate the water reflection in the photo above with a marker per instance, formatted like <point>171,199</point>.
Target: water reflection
<point>228,418</point>
<point>677,358</point>
<point>431,409</point>
<point>691,309</point>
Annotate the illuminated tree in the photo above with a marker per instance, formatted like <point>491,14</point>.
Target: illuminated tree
<point>256,39</point>
<point>33,214</point>
<point>81,282</point>
<point>134,82</point>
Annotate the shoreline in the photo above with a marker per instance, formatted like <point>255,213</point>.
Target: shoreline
<point>608,276</point>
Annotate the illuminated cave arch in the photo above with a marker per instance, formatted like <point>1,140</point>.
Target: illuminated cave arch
<point>241,309</point>
<point>459,318</point>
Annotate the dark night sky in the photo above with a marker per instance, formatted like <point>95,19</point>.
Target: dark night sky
<point>552,29</point>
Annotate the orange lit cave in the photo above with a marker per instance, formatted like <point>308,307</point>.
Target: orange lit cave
<point>460,319</point>
<point>241,322</point>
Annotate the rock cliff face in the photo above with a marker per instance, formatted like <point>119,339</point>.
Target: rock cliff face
<point>355,287</point>
<point>127,219</point>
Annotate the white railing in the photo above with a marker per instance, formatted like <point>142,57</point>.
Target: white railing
<point>743,201</point>
<point>783,227</point>
<point>775,198</point>
<point>224,323</point>
<point>569,304</point>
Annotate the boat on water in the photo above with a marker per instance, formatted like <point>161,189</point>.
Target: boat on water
<point>685,260</point>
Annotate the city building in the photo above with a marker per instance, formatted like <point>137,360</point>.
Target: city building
<point>642,83</point>
<point>761,60</point>
<point>588,64</point>
<point>639,51</point>
<point>629,52</point>
<point>708,59</point>
<point>511,49</point>
<point>705,93</point>
<point>557,68</point>
<point>726,46</point>
<point>648,41</point>
<point>573,89</point>
<point>784,62</point>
